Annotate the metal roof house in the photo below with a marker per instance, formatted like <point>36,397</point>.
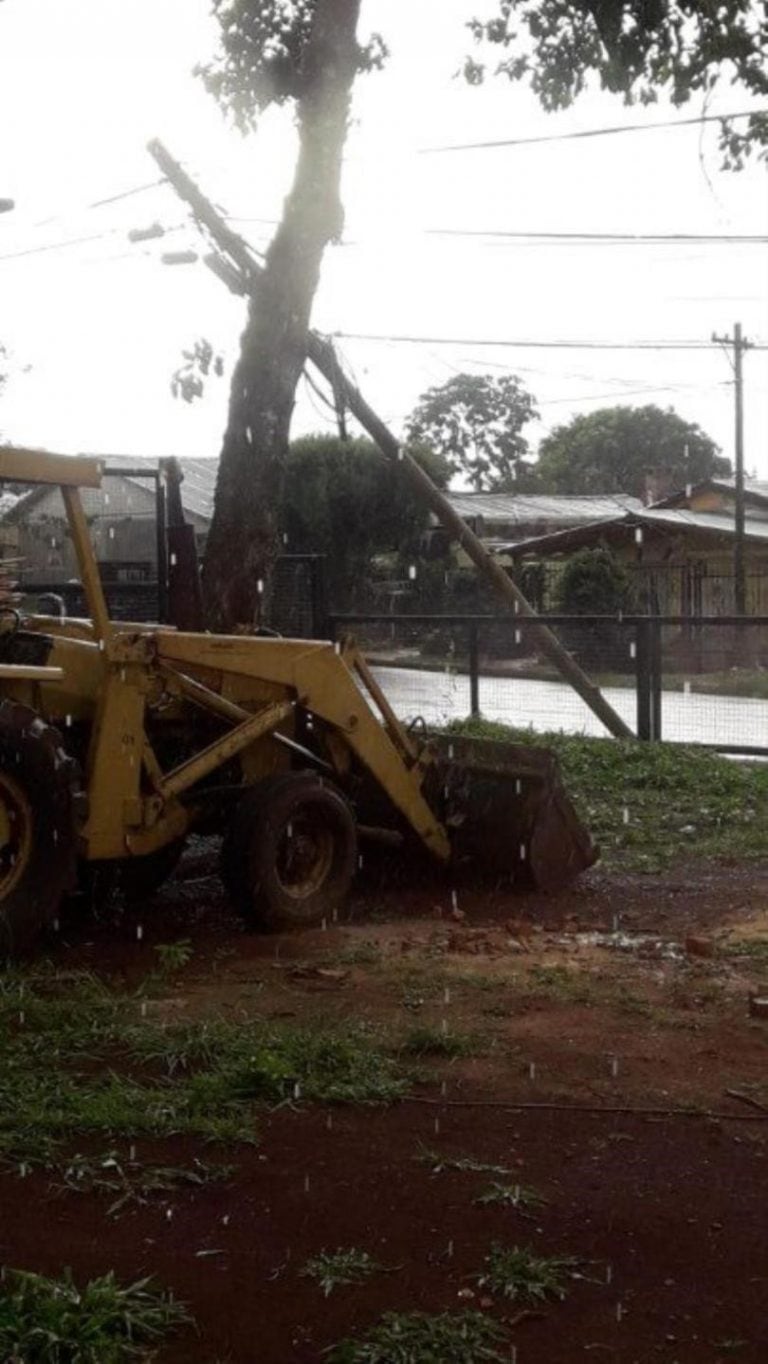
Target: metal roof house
<point>122,515</point>
<point>681,547</point>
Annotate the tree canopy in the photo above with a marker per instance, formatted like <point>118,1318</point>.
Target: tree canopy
<point>475,421</point>
<point>636,48</point>
<point>610,451</point>
<point>343,499</point>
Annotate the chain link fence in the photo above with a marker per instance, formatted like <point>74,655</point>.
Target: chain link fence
<point>701,680</point>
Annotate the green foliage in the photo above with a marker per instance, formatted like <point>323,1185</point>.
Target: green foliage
<point>611,450</point>
<point>421,1338</point>
<point>439,1164</point>
<point>680,801</point>
<point>428,1041</point>
<point>343,499</point>
<point>65,1043</point>
<point>517,1274</point>
<point>593,582</point>
<point>134,1183</point>
<point>342,1267</point>
<point>188,381</point>
<point>174,955</point>
<point>682,49</point>
<point>515,1196</point>
<point>52,1321</point>
<point>475,421</point>
<point>263,57</point>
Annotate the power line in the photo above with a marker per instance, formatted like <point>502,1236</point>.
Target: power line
<point>58,246</point>
<point>591,132</point>
<point>529,344</point>
<point>605,238</point>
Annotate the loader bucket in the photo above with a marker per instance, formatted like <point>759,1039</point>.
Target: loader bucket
<point>507,812</point>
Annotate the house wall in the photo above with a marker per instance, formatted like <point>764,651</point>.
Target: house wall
<point>693,574</point>
<point>122,522</point>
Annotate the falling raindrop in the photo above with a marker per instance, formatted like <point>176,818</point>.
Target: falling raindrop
<point>523,852</point>
<point>638,535</point>
<point>306,1183</point>
<point>260,586</point>
<point>632,649</point>
<point>619,1311</point>
<point>139,932</point>
<point>447,995</point>
<point>625,814</point>
<point>329,1122</point>
<point>614,1066</point>
<point>450,1250</point>
<point>173,561</point>
<point>412,571</point>
<point>532,1070</point>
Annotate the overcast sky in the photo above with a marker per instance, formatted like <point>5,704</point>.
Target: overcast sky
<point>96,328</point>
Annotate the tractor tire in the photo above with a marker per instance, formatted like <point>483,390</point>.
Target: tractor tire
<point>291,852</point>
<point>39,804</point>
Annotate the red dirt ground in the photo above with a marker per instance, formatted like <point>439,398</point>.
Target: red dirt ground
<point>666,1215</point>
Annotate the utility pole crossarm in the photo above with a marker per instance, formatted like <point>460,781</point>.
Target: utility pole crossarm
<point>322,354</point>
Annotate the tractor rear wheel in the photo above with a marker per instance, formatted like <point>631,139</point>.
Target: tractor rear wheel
<point>291,851</point>
<point>38,810</point>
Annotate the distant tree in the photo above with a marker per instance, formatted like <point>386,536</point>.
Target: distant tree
<point>611,450</point>
<point>345,500</point>
<point>475,421</point>
<point>639,49</point>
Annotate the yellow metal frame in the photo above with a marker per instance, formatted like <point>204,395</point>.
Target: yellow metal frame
<point>253,684</point>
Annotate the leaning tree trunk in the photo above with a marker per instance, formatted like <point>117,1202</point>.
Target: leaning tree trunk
<point>243,541</point>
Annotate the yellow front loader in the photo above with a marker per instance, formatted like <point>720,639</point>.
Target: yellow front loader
<point>117,740</point>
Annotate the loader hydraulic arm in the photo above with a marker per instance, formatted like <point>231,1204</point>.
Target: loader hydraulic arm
<point>321,678</point>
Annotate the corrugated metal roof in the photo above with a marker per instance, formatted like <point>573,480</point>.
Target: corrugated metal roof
<point>673,519</point>
<point>758,487</point>
<point>720,523</point>
<point>521,508</point>
<point>197,489</point>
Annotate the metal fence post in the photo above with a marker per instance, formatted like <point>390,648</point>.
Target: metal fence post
<point>643,679</point>
<point>655,678</point>
<point>474,671</point>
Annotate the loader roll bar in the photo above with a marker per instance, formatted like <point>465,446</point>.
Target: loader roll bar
<point>20,465</point>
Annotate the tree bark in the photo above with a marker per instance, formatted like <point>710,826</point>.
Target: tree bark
<point>243,541</point>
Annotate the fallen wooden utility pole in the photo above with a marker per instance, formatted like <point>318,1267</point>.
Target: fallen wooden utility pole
<point>322,354</point>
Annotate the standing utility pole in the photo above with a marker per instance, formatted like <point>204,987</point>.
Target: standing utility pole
<point>739,345</point>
